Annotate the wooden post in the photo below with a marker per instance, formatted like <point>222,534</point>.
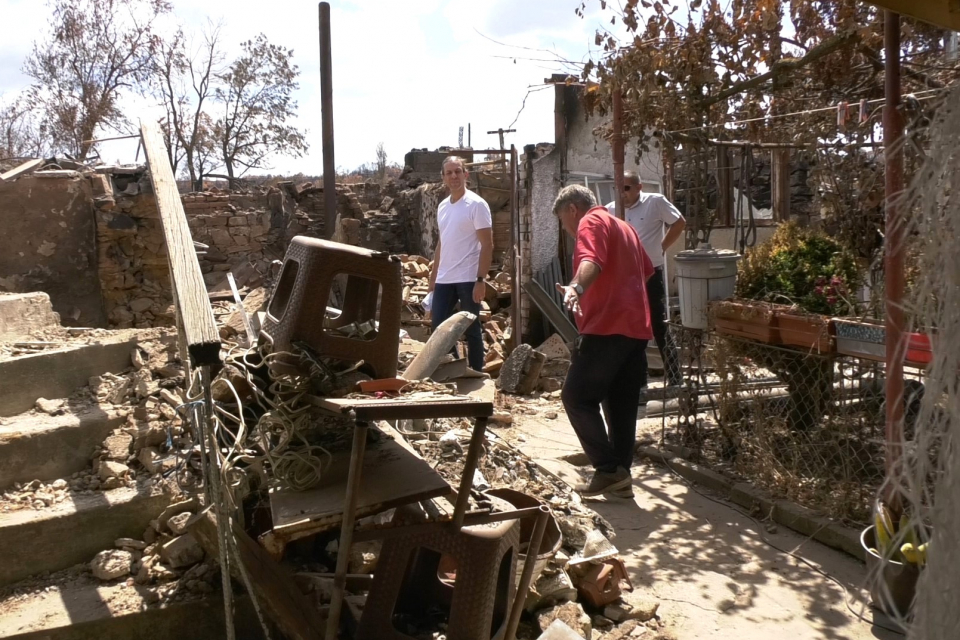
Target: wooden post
<point>725,206</point>
<point>190,292</point>
<point>780,184</point>
<point>618,151</point>
<point>274,589</point>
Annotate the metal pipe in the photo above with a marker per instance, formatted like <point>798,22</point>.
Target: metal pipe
<point>326,113</point>
<point>616,142</point>
<point>516,314</point>
<point>469,466</point>
<point>893,256</point>
<point>346,529</point>
<point>527,575</point>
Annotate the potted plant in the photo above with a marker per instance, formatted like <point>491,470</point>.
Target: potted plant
<point>895,555</point>
<point>751,319</point>
<point>810,271</point>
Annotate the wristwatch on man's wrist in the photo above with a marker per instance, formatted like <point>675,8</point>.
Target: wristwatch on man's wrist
<point>479,278</point>
<point>578,288</point>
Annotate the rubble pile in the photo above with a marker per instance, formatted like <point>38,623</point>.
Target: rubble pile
<point>556,593</point>
<point>494,309</point>
<point>142,451</point>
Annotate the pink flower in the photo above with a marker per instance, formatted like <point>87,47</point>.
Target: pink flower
<point>818,291</point>
<point>831,300</point>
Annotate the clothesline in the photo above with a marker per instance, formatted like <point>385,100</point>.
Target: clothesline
<point>919,95</point>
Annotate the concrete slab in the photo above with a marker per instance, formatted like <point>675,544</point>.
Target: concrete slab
<point>23,313</point>
<point>73,532</point>
<point>41,447</point>
<point>110,612</point>
<point>718,575</point>
<point>58,373</point>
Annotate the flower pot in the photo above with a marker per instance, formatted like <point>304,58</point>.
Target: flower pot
<point>892,584</point>
<point>812,332</point>
<point>746,319</point>
<point>919,350</point>
<point>861,339</point>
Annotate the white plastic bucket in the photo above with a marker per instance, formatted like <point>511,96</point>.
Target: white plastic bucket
<point>704,274</point>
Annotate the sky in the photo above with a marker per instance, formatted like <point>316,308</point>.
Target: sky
<point>405,73</point>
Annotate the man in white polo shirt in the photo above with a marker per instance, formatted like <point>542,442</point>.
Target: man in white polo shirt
<point>462,258</point>
<point>649,213</point>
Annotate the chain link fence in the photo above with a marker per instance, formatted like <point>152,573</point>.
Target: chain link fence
<point>804,426</point>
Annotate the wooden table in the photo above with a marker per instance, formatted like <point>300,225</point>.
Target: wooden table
<point>363,411</point>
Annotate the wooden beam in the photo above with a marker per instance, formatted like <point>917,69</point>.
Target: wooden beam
<point>26,167</point>
<point>725,209</point>
<point>275,590</point>
<point>780,184</point>
<point>189,290</point>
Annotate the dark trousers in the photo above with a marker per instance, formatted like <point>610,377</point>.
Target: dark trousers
<point>657,296</point>
<point>611,370</point>
<point>445,298</point>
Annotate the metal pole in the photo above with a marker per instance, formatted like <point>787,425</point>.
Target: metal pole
<point>346,528</point>
<point>326,111</point>
<point>893,255</point>
<point>516,314</point>
<point>532,551</point>
<point>616,142</point>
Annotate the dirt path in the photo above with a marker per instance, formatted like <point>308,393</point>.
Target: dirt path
<point>708,564</point>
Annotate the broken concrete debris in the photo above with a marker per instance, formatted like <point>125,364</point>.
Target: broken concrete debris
<point>521,371</point>
<point>112,564</point>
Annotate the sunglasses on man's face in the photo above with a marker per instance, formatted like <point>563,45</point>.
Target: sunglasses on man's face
<point>628,187</point>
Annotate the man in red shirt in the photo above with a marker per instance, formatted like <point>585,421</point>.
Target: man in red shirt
<point>608,295</point>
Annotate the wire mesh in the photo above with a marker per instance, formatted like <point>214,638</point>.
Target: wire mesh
<point>801,425</point>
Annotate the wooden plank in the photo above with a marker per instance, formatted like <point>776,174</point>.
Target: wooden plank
<point>23,169</point>
<point>392,475</point>
<point>275,589</point>
<point>199,328</point>
<point>725,210</point>
<point>411,407</point>
<point>780,184</point>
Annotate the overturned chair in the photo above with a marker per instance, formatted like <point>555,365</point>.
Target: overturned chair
<point>298,310</point>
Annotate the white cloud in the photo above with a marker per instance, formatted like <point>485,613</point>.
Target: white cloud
<point>408,74</point>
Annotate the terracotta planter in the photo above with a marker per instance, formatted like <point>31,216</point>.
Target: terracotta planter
<point>892,584</point>
<point>812,332</point>
<point>746,319</point>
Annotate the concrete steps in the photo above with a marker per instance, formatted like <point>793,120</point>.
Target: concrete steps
<point>36,446</point>
<point>72,532</point>
<point>59,372</point>
<point>83,610</point>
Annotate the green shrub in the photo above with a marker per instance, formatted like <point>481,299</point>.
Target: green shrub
<point>802,267</point>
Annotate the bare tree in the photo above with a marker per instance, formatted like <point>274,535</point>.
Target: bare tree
<point>185,84</point>
<point>381,163</point>
<point>256,98</point>
<point>95,50</point>
<point>20,135</point>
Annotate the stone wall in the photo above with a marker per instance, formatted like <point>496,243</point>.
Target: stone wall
<point>134,274</point>
<point>49,243</point>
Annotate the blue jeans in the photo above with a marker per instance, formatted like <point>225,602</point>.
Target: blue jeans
<point>445,298</point>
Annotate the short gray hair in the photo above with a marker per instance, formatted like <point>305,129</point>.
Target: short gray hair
<point>577,195</point>
<point>632,176</point>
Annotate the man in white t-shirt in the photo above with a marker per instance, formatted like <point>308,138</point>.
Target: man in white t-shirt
<point>648,214</point>
<point>462,258</point>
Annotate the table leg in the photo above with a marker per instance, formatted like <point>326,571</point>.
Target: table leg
<point>469,466</point>
<point>346,529</point>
